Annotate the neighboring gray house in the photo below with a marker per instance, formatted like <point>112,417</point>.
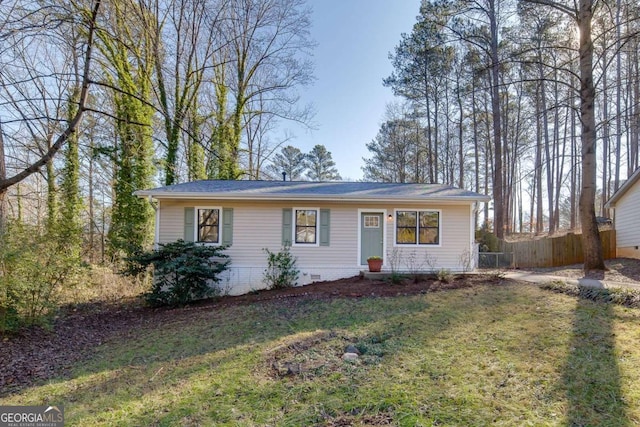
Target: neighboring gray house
<point>332,227</point>
<point>626,219</point>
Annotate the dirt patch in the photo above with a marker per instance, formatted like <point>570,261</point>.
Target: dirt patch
<point>306,357</point>
<point>625,270</point>
<point>37,354</point>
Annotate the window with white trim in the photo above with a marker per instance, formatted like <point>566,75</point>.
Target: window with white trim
<point>208,225</point>
<point>305,226</point>
<point>417,227</point>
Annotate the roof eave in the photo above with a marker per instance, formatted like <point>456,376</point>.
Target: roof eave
<point>622,190</point>
<point>279,196</point>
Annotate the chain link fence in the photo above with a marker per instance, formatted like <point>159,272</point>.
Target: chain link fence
<point>495,259</point>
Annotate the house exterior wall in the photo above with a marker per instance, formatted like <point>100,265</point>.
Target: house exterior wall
<point>627,224</point>
<point>258,225</point>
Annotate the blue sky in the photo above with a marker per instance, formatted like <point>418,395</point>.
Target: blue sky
<point>354,39</point>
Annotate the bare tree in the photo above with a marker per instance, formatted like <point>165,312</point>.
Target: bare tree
<point>184,44</point>
<point>259,125</point>
<point>268,53</point>
<point>25,27</point>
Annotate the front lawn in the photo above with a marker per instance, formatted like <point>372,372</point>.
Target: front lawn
<point>487,355</point>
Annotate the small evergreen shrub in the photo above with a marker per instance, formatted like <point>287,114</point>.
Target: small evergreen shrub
<point>281,269</point>
<point>183,272</point>
<point>396,278</point>
<point>487,240</point>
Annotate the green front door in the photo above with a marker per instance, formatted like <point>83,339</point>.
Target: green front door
<point>371,235</point>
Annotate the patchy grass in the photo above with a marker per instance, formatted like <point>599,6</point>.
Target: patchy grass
<point>500,355</point>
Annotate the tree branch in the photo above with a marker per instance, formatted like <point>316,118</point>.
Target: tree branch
<point>572,12</point>
<point>73,124</point>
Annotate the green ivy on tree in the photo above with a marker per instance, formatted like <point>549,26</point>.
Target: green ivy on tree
<point>131,226</point>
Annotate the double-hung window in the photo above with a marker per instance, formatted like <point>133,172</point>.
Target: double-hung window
<point>417,227</point>
<point>208,225</point>
<point>306,226</point>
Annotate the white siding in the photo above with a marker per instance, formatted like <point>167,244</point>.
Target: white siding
<point>258,225</point>
<point>455,238</point>
<point>627,218</point>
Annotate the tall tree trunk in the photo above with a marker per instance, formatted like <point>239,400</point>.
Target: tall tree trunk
<point>430,143</point>
<point>488,155</point>
<point>616,182</point>
<point>591,244</point>
<point>71,199</point>
<point>90,202</point>
<point>52,197</point>
<point>506,161</point>
<point>476,151</point>
<point>436,139</point>
<point>460,136</point>
<point>447,167</point>
<point>605,132</point>
<point>532,200</point>
<point>538,167</point>
<point>573,190</point>
<point>498,189</point>
<point>515,180</point>
<point>196,169</point>
<point>131,228</point>
<point>561,156</point>
<point>3,191</point>
<point>547,142</point>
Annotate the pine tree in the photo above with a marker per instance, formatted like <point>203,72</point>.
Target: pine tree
<point>289,160</point>
<point>320,165</point>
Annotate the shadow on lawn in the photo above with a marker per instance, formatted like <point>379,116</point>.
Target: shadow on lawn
<point>186,348</point>
<point>591,376</point>
<point>196,357</point>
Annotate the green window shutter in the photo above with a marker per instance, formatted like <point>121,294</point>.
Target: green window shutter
<point>287,218</point>
<point>227,226</point>
<point>189,217</point>
<point>325,218</point>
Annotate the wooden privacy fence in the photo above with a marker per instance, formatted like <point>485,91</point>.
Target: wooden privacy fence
<point>556,251</point>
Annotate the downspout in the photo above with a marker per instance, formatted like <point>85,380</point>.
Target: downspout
<point>156,231</point>
<point>473,246</point>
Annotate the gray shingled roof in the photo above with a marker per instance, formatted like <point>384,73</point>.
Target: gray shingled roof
<point>307,190</point>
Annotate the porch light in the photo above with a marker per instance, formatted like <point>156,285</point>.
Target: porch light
<point>390,218</point>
